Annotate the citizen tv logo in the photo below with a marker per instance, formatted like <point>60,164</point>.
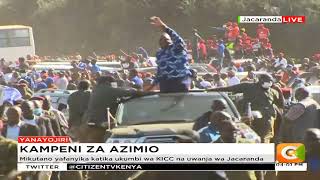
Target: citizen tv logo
<point>290,153</point>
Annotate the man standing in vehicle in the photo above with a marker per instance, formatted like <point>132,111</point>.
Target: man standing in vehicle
<point>173,72</point>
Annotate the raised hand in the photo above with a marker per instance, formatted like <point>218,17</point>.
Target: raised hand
<point>157,22</point>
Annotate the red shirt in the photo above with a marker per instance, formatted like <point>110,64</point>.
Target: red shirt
<point>203,48</point>
<point>239,46</point>
<point>262,33</point>
<point>248,47</point>
<point>234,33</point>
<point>212,44</point>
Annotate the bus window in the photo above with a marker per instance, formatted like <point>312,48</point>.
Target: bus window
<point>3,42</point>
<point>16,41</point>
<point>14,38</point>
<point>18,33</point>
<point>19,37</point>
<point>3,38</point>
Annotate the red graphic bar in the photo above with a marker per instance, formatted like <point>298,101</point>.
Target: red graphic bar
<point>44,139</point>
<point>293,19</point>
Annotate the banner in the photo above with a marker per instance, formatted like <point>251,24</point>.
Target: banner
<point>58,154</point>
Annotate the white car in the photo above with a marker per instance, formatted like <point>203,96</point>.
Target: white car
<point>315,92</point>
<point>57,97</point>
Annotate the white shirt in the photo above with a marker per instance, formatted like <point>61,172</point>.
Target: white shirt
<point>13,132</point>
<point>282,63</point>
<point>205,84</point>
<point>62,83</point>
<point>221,83</point>
<point>233,81</point>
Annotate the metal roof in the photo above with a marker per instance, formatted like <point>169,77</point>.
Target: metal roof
<point>14,27</point>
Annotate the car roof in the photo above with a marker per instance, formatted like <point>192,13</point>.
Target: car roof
<point>14,27</point>
<point>55,91</point>
<point>313,89</point>
<point>198,93</point>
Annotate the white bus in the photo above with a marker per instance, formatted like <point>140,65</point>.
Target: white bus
<point>16,41</point>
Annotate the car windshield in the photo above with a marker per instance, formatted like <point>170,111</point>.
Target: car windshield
<point>157,109</point>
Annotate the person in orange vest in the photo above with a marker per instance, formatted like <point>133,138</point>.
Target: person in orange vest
<point>234,33</point>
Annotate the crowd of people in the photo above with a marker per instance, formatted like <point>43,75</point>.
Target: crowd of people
<point>289,113</point>
<point>235,41</point>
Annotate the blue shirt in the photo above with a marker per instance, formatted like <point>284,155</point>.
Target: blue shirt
<point>49,81</point>
<point>95,68</point>
<point>240,69</point>
<point>221,48</point>
<point>41,85</point>
<point>208,134</point>
<point>13,132</point>
<point>172,61</point>
<point>9,94</point>
<point>30,81</point>
<point>137,80</point>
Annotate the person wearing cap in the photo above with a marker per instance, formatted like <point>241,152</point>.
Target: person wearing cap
<point>173,72</point>
<point>267,98</point>
<point>300,117</point>
<point>23,88</point>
